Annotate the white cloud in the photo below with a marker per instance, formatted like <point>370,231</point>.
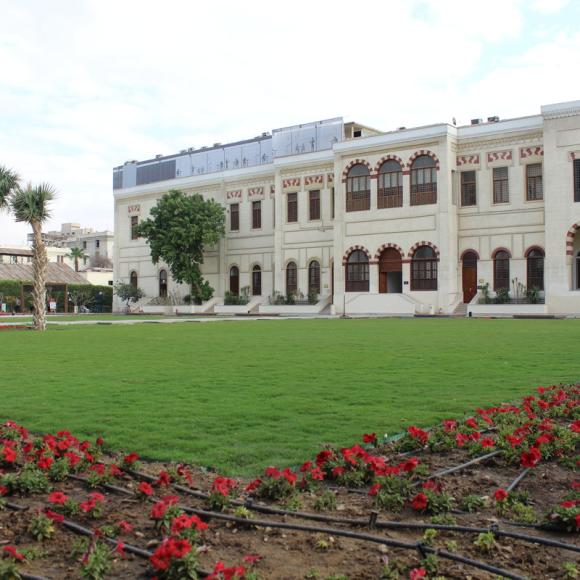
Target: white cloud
<point>88,85</point>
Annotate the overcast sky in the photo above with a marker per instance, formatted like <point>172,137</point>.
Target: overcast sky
<point>88,84</point>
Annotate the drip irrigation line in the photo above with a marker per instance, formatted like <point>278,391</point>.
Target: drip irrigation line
<point>107,486</point>
<point>450,470</point>
<point>385,524</point>
<point>356,536</point>
<point>518,479</point>
<point>31,577</point>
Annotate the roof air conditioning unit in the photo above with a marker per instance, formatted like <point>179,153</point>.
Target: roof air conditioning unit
<point>475,121</point>
<point>493,119</point>
<point>158,156</point>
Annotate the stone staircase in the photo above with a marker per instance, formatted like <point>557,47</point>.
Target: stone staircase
<point>460,310</point>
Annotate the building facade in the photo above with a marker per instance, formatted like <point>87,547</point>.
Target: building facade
<point>420,220</point>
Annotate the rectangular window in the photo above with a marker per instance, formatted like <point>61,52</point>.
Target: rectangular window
<point>256,215</point>
<point>134,224</point>
<point>332,203</point>
<point>501,190</point>
<point>292,209</point>
<point>85,243</point>
<point>98,243</point>
<point>576,179</point>
<point>234,217</point>
<point>468,188</point>
<point>534,186</point>
<point>314,199</point>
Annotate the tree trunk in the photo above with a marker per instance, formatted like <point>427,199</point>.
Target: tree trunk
<point>39,269</point>
<point>76,264</point>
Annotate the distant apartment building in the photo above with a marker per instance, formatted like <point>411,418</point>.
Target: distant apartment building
<point>97,246</point>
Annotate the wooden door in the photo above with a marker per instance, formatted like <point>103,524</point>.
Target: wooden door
<point>390,261</point>
<point>469,276</point>
<point>234,280</point>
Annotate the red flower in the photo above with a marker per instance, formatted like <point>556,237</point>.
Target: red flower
<point>370,438</point>
<point>375,489</point>
<point>223,485</point>
<point>531,458</point>
<point>410,465</point>
<point>253,485</point>
<point>125,526</point>
<point>164,479</point>
<point>252,559</point>
<point>145,488</point>
<point>417,573</point>
<point>568,504</point>
<point>158,510</point>
<point>99,441</point>
<point>120,549</point>
<point>471,422</point>
<point>12,552</point>
<point>420,503</point>
<point>289,476</point>
<point>578,521</point>
<point>500,494</point>
<point>449,425</point>
<point>3,490</point>
<point>185,522</point>
<point>131,458</point>
<point>338,471</point>
<point>57,498</point>
<point>56,518</point>
<point>272,472</point>
<point>169,549</point>
<point>9,454</point>
<point>45,462</point>
<point>306,466</point>
<point>317,473</point>
<point>419,434</point>
<point>323,457</point>
<point>487,442</point>
<point>575,426</point>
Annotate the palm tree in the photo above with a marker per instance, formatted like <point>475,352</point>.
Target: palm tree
<point>9,181</point>
<point>30,205</point>
<point>76,254</point>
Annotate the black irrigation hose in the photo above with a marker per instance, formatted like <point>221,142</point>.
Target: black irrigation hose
<point>374,522</point>
<point>107,486</point>
<point>473,461</point>
<point>518,479</point>
<point>31,577</point>
<point>356,536</point>
<point>82,531</point>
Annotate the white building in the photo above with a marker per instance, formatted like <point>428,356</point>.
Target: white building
<point>98,246</point>
<point>410,221</point>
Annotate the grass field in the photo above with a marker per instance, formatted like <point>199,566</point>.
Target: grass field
<point>80,317</point>
<point>242,395</point>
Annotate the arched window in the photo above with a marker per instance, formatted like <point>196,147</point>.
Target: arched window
<point>357,272</point>
<point>423,181</point>
<point>535,268</point>
<point>234,280</point>
<point>424,269</point>
<point>133,279</point>
<point>291,279</point>
<point>577,271</point>
<point>501,270</point>
<point>163,284</point>
<point>390,191</point>
<point>256,281</point>
<point>314,277</point>
<point>358,188</point>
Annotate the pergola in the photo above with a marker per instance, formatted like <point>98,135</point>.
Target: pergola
<point>58,276</point>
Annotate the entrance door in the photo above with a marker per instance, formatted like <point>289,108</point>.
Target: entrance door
<point>332,282</point>
<point>469,276</point>
<point>390,272</point>
<point>234,280</point>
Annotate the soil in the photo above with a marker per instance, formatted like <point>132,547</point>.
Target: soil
<point>293,554</point>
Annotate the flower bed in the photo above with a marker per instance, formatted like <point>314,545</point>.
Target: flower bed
<point>493,494</point>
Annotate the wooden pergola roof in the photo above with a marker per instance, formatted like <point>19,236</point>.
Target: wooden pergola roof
<point>56,274</point>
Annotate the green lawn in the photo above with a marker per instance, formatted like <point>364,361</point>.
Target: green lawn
<point>242,395</point>
<point>81,317</point>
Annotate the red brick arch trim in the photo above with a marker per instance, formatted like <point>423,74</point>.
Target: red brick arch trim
<point>352,249</point>
<point>352,164</point>
<point>389,158</point>
<point>420,154</point>
<point>570,235</point>
<point>418,245</point>
<point>385,246</point>
<point>468,251</point>
<point>527,252</point>
<point>494,253</point>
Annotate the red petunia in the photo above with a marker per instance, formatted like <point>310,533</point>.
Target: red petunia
<point>57,518</point>
<point>417,573</point>
<point>575,426</point>
<point>57,498</point>
<point>471,422</point>
<point>500,494</point>
<point>14,553</point>
<point>9,454</point>
<point>125,526</point>
<point>375,489</point>
<point>252,559</point>
<point>420,502</point>
<point>120,549</point>
<point>164,479</point>
<point>370,438</point>
<point>531,458</point>
<point>131,458</point>
<point>253,485</point>
<point>410,465</point>
<point>145,488</point>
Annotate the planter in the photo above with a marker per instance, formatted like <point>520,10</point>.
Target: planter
<point>507,309</point>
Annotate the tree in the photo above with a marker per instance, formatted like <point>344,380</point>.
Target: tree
<point>128,293</point>
<point>9,182</point>
<point>31,205</point>
<point>76,254</point>
<point>179,228</point>
<point>101,262</point>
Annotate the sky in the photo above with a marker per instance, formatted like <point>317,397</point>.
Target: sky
<point>86,85</point>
